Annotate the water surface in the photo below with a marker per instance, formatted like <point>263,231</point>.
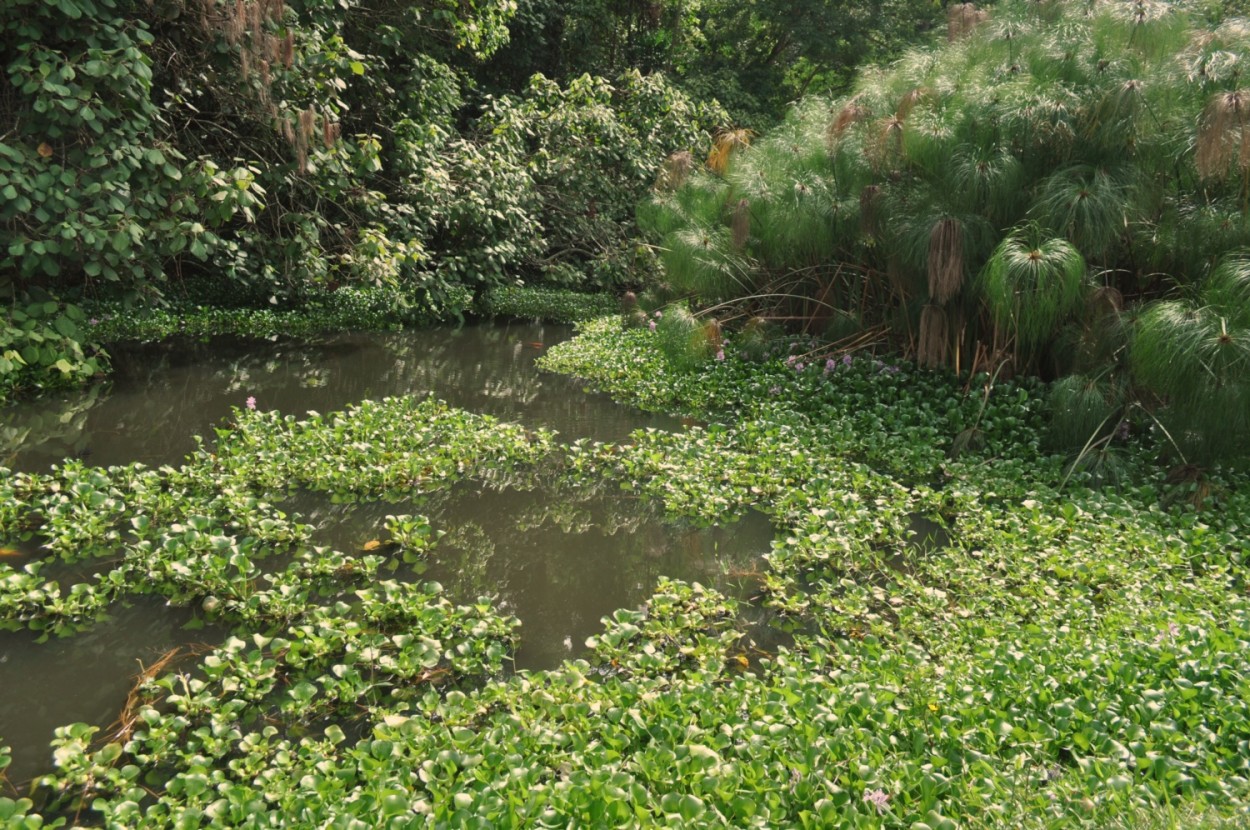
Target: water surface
<point>558,559</point>
<point>85,677</point>
<point>162,395</point>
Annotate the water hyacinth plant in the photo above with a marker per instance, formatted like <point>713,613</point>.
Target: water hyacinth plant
<point>1048,659</point>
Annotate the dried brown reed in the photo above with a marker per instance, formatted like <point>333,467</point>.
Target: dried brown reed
<point>712,335</point>
<point>851,113</point>
<point>962,19</point>
<point>675,170</point>
<point>946,259</point>
<point>122,728</point>
<point>236,25</point>
<point>934,342</point>
<point>330,131</point>
<point>910,100</point>
<point>724,146</point>
<point>1224,135</point>
<point>303,136</point>
<point>307,122</point>
<point>869,210</point>
<point>1105,301</point>
<point>886,148</point>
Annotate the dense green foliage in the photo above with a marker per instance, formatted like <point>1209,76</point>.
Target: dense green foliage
<point>977,632</point>
<point>264,154</point>
<point>1057,658</point>
<point>349,308</point>
<point>1013,199</point>
<point>549,304</point>
<point>41,343</point>
<point>755,57</point>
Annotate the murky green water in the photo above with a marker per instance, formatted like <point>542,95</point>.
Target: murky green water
<point>85,678</point>
<point>161,396</point>
<point>558,561</point>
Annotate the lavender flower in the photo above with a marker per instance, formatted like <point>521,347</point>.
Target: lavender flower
<point>651,325</point>
<point>251,402</point>
<point>846,360</point>
<point>879,799</point>
<point>720,354</point>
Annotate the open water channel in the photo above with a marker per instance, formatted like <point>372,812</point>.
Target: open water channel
<point>558,561</point>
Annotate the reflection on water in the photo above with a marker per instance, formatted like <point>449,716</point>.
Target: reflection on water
<point>84,678</point>
<point>162,395</point>
<point>558,560</point>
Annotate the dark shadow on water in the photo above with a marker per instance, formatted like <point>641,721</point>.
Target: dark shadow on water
<point>925,537</point>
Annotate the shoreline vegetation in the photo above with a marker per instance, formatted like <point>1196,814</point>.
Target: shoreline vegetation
<point>998,289</point>
<point>347,309</point>
<point>1072,655</point>
<point>1055,189</point>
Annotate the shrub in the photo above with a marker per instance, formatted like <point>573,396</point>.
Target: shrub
<point>551,304</point>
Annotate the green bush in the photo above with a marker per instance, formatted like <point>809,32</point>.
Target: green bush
<point>591,149</point>
<point>1196,355</point>
<point>550,304</point>
<point>273,160</point>
<point>44,345</point>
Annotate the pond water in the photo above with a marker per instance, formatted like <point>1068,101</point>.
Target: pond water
<point>162,395</point>
<point>558,561</point>
<point>85,678</point>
